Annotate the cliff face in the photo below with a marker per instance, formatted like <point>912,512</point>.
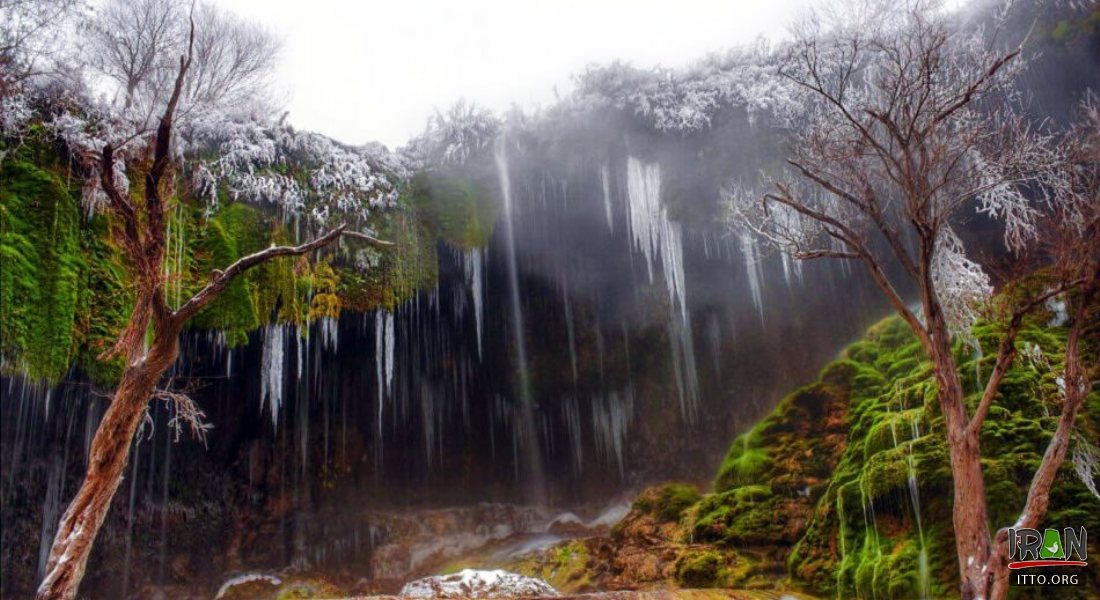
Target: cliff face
<point>387,380</point>
<point>844,490</point>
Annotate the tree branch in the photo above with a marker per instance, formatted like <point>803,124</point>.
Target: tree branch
<point>222,280</point>
<point>1006,354</point>
<point>1077,388</point>
<point>373,241</point>
<point>154,206</point>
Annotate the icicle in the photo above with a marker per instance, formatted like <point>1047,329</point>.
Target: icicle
<point>329,333</point>
<point>654,234</point>
<point>390,358</point>
<point>271,371</point>
<point>643,186</point>
<point>379,363</point>
<point>755,275</point>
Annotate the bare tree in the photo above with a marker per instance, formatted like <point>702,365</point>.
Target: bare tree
<point>23,40</point>
<point>130,42</point>
<point>233,62</point>
<point>133,43</point>
<point>138,227</point>
<point>902,126</point>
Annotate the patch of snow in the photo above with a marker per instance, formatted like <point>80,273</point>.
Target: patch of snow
<point>473,583</point>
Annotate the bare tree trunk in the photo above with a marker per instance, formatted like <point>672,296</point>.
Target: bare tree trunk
<point>968,508</point>
<point>109,454</point>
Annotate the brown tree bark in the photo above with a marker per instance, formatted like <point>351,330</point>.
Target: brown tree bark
<point>969,518</point>
<point>109,454</point>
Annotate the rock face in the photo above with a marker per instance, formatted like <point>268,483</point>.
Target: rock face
<point>471,583</point>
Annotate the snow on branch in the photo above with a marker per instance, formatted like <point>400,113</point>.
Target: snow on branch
<point>296,171</point>
<point>960,283</point>
<point>454,136</point>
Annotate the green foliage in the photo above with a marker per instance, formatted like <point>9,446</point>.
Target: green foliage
<point>864,539</point>
<point>398,273</point>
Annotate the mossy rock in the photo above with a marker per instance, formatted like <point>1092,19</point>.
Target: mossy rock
<point>703,569</point>
<point>667,502</point>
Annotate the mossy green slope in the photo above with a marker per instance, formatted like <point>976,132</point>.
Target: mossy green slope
<point>873,516</point>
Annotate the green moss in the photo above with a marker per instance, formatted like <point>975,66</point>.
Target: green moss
<point>459,211</point>
<point>65,292</point>
<point>233,232</point>
<point>41,262</point>
<point>863,539</point>
<point>700,570</point>
<point>667,502</point>
<point>565,567</point>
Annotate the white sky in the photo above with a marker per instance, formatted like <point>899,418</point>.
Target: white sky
<point>370,70</point>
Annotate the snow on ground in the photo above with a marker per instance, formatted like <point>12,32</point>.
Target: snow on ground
<point>472,583</point>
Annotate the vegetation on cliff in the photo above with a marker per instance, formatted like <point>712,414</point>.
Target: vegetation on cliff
<point>64,291</point>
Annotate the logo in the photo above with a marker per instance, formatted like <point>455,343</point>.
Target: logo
<point>1029,548</point>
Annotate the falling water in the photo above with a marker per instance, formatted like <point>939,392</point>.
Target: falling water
<point>532,449</point>
<point>473,265</point>
<point>914,496</point>
<point>925,579</point>
<point>569,330</point>
<point>605,180</point>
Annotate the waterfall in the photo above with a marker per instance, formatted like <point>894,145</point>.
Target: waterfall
<point>610,417</point>
<point>473,266</point>
<point>605,180</point>
<point>571,414</point>
<point>569,330</point>
<point>914,495</point>
<point>527,416</point>
<point>51,510</point>
<point>655,235</point>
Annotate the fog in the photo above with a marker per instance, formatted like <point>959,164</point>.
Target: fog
<point>374,71</point>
